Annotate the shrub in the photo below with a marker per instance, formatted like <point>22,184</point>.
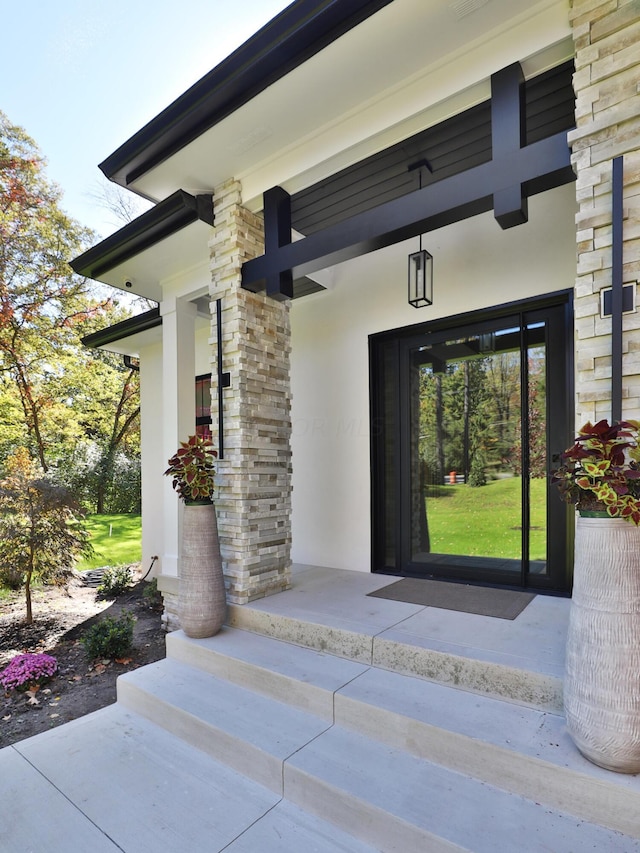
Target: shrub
<point>28,670</point>
<point>477,476</point>
<point>110,637</point>
<point>152,595</point>
<point>116,580</point>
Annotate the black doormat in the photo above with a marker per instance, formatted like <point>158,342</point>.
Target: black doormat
<point>482,600</point>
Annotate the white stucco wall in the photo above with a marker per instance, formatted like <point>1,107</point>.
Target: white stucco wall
<point>476,265</point>
<point>152,455</point>
<point>157,497</point>
<point>203,348</point>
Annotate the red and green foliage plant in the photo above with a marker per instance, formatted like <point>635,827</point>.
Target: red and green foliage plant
<point>601,470</point>
<point>40,532</point>
<point>192,469</point>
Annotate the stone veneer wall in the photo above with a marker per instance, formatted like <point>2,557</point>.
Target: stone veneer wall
<point>607,86</point>
<point>253,481</point>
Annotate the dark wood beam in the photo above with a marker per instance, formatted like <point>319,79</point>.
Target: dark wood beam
<point>537,167</point>
<point>277,233</point>
<point>515,172</point>
<point>508,134</point>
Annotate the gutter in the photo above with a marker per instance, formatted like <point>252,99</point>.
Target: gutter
<point>126,328</point>
<point>168,216</point>
<point>302,30</point>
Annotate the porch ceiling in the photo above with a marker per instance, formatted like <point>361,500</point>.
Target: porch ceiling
<point>407,57</point>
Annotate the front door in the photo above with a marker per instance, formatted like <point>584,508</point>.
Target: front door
<point>467,420</point>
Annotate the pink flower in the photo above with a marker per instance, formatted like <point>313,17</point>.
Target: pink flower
<point>27,670</point>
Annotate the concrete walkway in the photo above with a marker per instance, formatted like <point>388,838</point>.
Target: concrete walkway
<point>237,743</point>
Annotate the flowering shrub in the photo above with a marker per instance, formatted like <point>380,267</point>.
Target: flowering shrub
<point>28,670</point>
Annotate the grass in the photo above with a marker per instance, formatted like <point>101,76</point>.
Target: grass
<point>485,521</point>
<point>116,540</point>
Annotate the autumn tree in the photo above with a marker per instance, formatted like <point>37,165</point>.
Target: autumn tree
<point>40,533</point>
<point>40,299</point>
<point>56,398</point>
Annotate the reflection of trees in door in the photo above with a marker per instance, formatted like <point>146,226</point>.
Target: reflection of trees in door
<point>464,424</point>
<point>467,434</point>
<point>469,419</point>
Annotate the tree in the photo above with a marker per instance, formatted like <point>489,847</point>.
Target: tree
<point>41,301</point>
<point>40,534</point>
<point>60,400</point>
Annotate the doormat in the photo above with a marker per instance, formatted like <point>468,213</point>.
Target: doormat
<point>482,600</point>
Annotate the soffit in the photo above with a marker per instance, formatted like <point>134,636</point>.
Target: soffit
<point>436,48</point>
<point>173,256</point>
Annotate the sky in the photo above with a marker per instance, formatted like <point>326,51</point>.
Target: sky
<point>82,76</point>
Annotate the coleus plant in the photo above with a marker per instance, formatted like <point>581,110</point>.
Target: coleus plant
<point>601,471</point>
<point>192,469</point>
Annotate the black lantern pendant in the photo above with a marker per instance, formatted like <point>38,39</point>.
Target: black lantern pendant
<point>420,278</point>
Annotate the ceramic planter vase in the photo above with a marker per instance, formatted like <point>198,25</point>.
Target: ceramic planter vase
<point>201,598</point>
<point>602,683</point>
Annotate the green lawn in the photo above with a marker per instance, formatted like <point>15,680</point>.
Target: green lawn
<point>484,521</point>
<point>116,540</point>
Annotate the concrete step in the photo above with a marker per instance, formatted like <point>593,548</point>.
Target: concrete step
<point>491,671</point>
<point>112,782</point>
<point>521,750</point>
<point>249,732</point>
<point>289,829</point>
<point>303,677</point>
<point>401,803</point>
<point>204,752</point>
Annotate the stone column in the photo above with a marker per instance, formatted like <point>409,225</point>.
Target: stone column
<point>253,481</point>
<point>607,86</point>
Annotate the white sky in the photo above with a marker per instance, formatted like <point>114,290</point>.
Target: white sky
<point>82,76</point>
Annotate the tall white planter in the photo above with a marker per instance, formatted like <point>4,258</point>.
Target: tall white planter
<point>602,683</point>
<point>202,603</point>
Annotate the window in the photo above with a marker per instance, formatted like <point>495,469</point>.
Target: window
<point>203,405</point>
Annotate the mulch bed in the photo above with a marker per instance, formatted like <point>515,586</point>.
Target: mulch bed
<point>61,617</point>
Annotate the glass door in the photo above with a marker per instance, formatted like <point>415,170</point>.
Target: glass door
<point>464,459</point>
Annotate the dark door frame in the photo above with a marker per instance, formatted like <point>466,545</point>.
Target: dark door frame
<point>389,428</point>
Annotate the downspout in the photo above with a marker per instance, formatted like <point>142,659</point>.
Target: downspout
<point>131,363</point>
<point>616,289</point>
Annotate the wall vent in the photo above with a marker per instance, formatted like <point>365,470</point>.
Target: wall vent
<point>461,8</point>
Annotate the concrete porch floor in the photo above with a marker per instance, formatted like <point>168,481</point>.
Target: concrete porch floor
<point>114,781</point>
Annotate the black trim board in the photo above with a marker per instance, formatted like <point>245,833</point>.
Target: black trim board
<point>168,216</point>
<point>515,171</point>
<point>295,35</point>
<point>119,331</point>
<point>450,147</point>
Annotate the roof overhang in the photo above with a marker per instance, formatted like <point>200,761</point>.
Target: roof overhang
<point>159,244</point>
<point>328,82</point>
<point>288,40</point>
<point>128,336</point>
